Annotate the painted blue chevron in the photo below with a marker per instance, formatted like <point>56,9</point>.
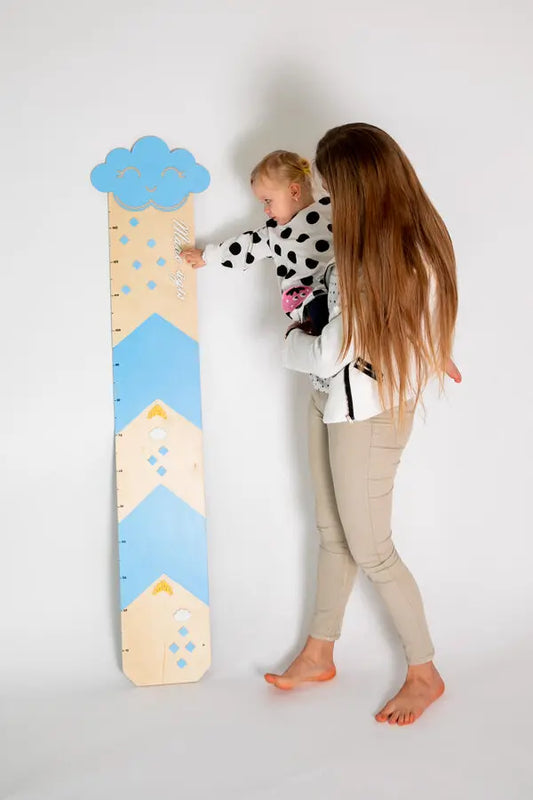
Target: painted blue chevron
<point>162,535</point>
<point>156,360</point>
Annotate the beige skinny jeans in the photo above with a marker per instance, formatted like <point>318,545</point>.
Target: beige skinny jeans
<point>353,465</point>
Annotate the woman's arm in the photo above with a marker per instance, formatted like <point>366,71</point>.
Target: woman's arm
<point>318,355</point>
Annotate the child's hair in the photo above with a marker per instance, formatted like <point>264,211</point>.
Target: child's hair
<point>393,253</point>
<point>282,164</point>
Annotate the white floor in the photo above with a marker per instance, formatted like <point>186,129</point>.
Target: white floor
<point>242,739</point>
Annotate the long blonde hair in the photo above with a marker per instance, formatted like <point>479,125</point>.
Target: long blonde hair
<point>395,261</point>
<point>285,165</point>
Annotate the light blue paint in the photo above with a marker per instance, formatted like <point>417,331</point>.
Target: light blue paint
<point>151,242</point>
<point>137,264</point>
<point>161,261</point>
<point>126,289</point>
<point>161,471</point>
<point>150,175</point>
<point>151,284</point>
<point>163,450</point>
<point>163,535</point>
<point>152,460</point>
<point>124,239</point>
<point>181,663</point>
<point>156,360</point>
<point>134,222</point>
<point>173,648</point>
<point>190,647</point>
<point>183,631</point>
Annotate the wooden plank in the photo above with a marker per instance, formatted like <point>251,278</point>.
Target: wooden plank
<point>158,425</point>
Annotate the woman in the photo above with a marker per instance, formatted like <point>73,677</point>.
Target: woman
<point>393,305</point>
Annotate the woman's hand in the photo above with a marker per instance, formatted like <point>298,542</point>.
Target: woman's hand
<point>193,256</point>
<point>453,372</point>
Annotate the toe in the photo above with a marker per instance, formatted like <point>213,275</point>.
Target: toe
<point>384,714</point>
<point>386,711</point>
<point>393,719</point>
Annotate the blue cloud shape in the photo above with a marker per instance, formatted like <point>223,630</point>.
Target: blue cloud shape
<point>150,174</point>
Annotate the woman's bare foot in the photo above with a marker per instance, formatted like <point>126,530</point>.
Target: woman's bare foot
<point>423,685</point>
<point>315,663</point>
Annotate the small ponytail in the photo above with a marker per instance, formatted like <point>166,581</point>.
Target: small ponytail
<point>283,164</point>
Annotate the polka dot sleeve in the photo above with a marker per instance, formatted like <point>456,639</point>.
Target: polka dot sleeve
<point>240,252</point>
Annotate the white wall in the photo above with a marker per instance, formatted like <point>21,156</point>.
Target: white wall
<point>231,80</point>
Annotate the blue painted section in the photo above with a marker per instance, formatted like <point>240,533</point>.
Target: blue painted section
<point>150,174</point>
<point>162,535</point>
<point>156,360</point>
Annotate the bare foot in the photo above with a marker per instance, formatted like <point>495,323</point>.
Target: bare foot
<point>423,685</point>
<point>315,663</point>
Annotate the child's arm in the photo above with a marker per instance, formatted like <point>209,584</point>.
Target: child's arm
<point>239,252</point>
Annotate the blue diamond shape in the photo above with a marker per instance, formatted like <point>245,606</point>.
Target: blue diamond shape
<point>161,470</point>
<point>173,648</point>
<point>134,221</point>
<point>190,647</point>
<point>151,242</point>
<point>137,264</point>
<point>181,663</point>
<point>161,261</point>
<point>152,460</point>
<point>183,631</point>
<point>163,450</point>
<point>126,289</point>
<point>151,284</point>
<point>124,239</point>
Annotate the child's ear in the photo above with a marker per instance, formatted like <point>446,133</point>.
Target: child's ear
<point>296,191</point>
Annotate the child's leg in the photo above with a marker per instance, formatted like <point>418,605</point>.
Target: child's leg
<point>317,312</point>
<point>364,457</point>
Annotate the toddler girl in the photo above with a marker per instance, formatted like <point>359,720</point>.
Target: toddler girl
<point>297,237</point>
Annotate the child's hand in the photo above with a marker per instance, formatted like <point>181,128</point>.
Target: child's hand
<point>193,256</point>
<point>453,372</point>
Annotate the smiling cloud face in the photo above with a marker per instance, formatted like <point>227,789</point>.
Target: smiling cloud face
<point>150,175</point>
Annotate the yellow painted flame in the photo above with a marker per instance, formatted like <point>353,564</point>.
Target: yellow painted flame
<point>157,411</point>
<point>162,586</point>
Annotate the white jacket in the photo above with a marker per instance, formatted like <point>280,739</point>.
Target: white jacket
<point>353,392</point>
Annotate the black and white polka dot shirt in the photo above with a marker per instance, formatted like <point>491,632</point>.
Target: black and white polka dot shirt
<point>301,251</point>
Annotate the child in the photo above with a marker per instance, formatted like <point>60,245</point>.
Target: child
<point>297,236</point>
